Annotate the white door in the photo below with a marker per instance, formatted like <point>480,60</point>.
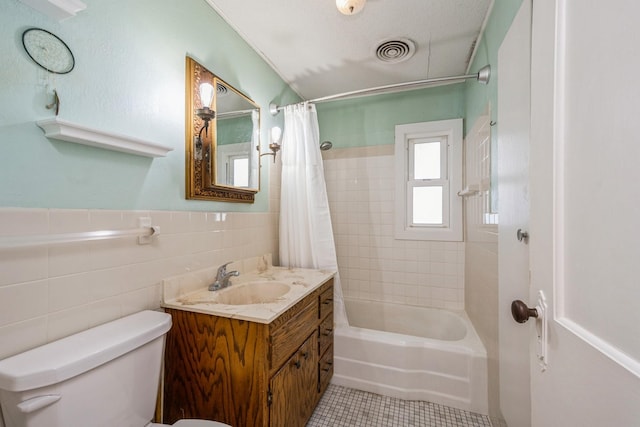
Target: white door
<point>585,205</point>
<point>513,184</point>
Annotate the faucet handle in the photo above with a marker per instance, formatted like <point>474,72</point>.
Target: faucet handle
<point>222,270</point>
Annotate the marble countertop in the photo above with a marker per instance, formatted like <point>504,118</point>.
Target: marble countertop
<point>189,292</point>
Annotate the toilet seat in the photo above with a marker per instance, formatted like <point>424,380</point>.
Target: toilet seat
<point>191,423</point>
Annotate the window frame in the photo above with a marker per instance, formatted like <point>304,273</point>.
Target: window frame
<point>449,132</point>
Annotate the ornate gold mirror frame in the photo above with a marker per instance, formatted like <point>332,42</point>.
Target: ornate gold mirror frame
<point>203,180</point>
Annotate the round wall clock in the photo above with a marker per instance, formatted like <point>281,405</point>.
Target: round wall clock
<point>48,51</point>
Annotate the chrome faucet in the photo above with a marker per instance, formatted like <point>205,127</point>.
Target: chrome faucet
<point>222,278</point>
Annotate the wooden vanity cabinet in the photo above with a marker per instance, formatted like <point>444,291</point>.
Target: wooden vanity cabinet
<point>293,389</point>
<point>246,373</point>
<point>325,339</point>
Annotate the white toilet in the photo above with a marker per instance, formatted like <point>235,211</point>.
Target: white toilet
<point>105,376</point>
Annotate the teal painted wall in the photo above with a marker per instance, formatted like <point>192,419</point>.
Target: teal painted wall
<point>129,79</point>
<point>479,96</point>
<point>371,120</point>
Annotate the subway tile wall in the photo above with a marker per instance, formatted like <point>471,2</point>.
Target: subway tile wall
<point>373,264</point>
<point>481,262</point>
<point>49,292</point>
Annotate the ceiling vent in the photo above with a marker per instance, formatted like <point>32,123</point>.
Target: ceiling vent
<point>221,90</point>
<point>394,51</point>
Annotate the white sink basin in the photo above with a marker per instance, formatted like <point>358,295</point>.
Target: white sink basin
<point>252,293</point>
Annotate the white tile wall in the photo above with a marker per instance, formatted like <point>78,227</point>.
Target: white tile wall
<point>373,264</point>
<point>481,263</point>
<point>50,292</point>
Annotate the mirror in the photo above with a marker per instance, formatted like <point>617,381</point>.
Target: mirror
<point>237,132</point>
<point>222,151</point>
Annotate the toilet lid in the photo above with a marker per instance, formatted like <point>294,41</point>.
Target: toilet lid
<point>199,423</point>
<point>191,423</point>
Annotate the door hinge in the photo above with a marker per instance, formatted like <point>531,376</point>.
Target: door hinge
<point>269,398</point>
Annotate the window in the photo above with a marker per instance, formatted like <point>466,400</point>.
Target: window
<point>428,176</point>
<point>239,171</point>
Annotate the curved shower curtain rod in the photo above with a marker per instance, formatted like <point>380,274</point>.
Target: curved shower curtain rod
<point>482,76</point>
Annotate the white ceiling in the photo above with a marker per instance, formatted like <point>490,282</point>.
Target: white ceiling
<point>320,52</point>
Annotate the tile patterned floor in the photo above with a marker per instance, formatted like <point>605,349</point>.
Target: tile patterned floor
<point>345,407</point>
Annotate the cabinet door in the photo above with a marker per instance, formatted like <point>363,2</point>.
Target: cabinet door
<point>294,387</point>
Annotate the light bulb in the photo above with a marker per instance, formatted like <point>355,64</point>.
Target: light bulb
<point>276,133</point>
<point>350,7</point>
<point>206,94</point>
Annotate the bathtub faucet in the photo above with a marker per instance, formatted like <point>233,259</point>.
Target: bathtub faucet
<point>222,278</point>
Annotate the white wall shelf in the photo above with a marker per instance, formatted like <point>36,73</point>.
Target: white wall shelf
<point>71,132</point>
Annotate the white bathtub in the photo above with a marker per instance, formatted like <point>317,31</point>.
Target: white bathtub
<point>412,353</point>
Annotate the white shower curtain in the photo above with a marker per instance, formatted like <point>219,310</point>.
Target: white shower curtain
<point>306,234</point>
<point>254,166</point>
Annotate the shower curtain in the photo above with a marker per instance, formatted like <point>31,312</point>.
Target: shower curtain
<point>254,166</point>
<point>306,234</point>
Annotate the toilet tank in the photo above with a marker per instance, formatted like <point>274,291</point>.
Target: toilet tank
<point>104,376</point>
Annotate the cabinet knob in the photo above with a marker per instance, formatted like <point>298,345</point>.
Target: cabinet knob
<point>297,364</point>
<point>327,332</point>
<point>305,355</point>
<point>327,301</point>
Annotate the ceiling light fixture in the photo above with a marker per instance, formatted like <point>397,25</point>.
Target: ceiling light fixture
<point>350,7</point>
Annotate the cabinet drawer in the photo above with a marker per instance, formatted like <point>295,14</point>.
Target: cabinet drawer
<point>325,370</point>
<point>287,337</point>
<point>325,331</point>
<point>326,302</point>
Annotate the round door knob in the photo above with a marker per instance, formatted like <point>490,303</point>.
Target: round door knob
<point>521,312</point>
<point>522,236</point>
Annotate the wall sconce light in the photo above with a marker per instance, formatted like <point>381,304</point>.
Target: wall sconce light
<point>350,7</point>
<point>205,113</point>
<point>274,145</point>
